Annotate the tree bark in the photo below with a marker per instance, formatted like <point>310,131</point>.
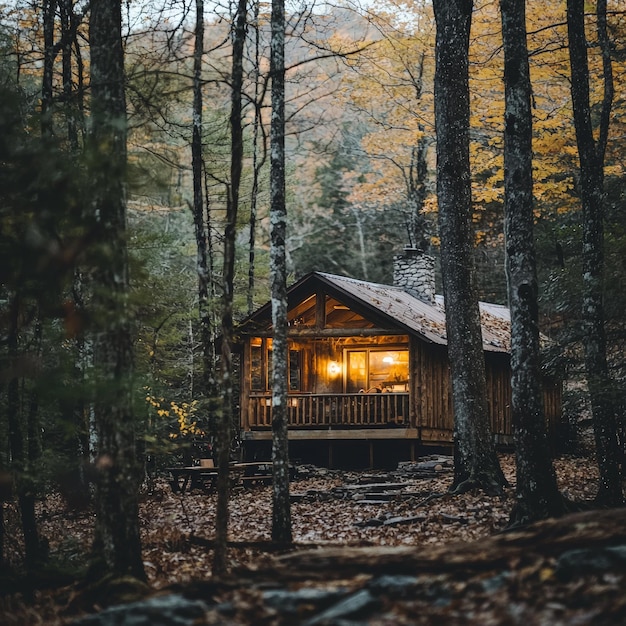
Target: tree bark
<point>257,160</point>
<point>18,424</point>
<point>536,487</point>
<point>199,221</point>
<point>117,540</point>
<point>72,98</point>
<point>76,487</point>
<point>591,158</point>
<point>476,462</point>
<point>281,511</point>
<point>228,278</point>
<point>49,7</point>
<point>204,267</point>
<point>418,174</point>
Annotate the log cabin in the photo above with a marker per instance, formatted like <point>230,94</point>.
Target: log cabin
<point>368,374</point>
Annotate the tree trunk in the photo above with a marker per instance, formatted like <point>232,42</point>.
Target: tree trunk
<point>591,157</point>
<point>416,195</point>
<point>418,175</point>
<point>49,8</point>
<point>18,443</point>
<point>68,38</point>
<point>537,492</point>
<point>199,221</point>
<point>117,542</point>
<point>228,279</point>
<point>75,481</point>
<point>281,511</point>
<point>257,163</point>
<point>476,463</point>
<point>204,268</point>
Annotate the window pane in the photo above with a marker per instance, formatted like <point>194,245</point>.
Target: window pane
<point>356,374</point>
<point>389,369</point>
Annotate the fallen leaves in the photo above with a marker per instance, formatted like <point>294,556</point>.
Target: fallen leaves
<point>348,509</point>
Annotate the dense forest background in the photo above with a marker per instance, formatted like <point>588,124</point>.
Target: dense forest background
<point>360,182</point>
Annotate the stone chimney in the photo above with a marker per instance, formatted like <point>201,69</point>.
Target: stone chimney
<point>414,272</point>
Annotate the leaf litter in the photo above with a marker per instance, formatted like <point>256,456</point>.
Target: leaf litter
<point>335,508</point>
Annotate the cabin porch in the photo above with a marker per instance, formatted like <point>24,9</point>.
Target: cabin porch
<point>332,410</point>
<point>346,430</point>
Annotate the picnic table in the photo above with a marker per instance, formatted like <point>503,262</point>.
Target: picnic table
<point>193,477</point>
<point>205,476</point>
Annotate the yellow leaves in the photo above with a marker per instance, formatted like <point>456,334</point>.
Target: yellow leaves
<point>153,401</point>
<point>480,236</point>
<point>550,124</point>
<point>546,573</point>
<point>343,44</point>
<point>393,93</point>
<point>430,205</point>
<point>487,192</point>
<point>182,415</point>
<point>389,88</point>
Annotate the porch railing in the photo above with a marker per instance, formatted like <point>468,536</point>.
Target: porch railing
<point>338,410</point>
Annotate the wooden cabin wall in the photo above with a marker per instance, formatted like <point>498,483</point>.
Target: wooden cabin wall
<point>552,404</point>
<point>431,391</point>
<point>498,373</point>
<point>324,351</point>
<point>499,396</point>
<point>244,386</point>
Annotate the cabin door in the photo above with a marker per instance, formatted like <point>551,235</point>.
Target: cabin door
<point>356,371</point>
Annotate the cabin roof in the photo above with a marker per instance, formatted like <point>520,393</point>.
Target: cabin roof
<point>393,308</point>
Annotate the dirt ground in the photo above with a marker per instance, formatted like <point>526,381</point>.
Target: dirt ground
<point>369,548</point>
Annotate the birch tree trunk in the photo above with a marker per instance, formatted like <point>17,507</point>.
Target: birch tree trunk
<point>476,463</point>
<point>281,511</point>
<point>538,496</point>
<point>117,540</point>
<point>591,158</point>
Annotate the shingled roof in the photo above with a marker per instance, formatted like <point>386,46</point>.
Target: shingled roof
<point>422,318</point>
<point>395,309</point>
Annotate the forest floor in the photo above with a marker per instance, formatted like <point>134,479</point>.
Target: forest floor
<point>371,547</point>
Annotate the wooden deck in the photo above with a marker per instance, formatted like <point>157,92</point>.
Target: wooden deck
<point>335,434</point>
